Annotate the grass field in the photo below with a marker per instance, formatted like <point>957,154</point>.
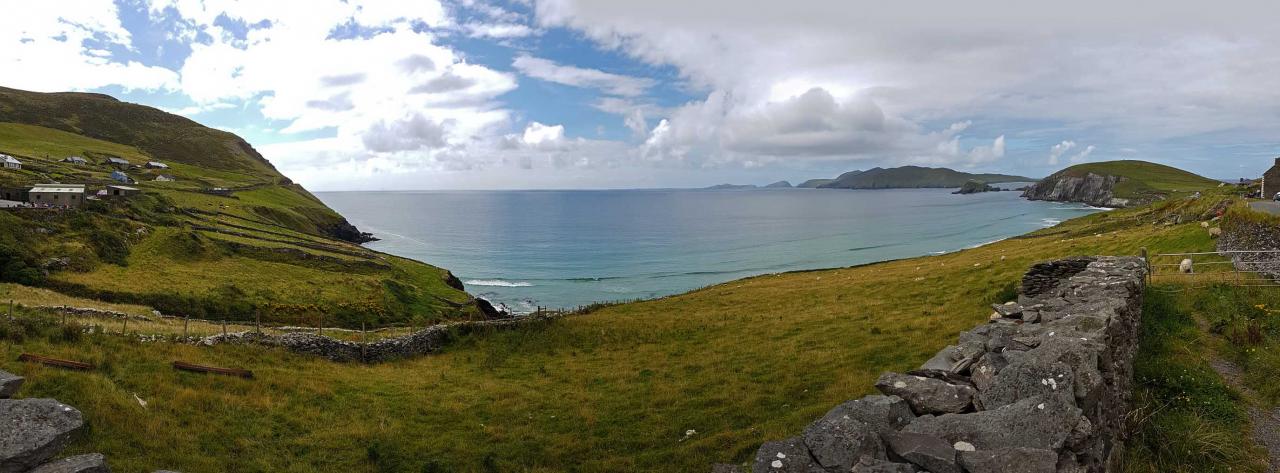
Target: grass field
<point>614,390</point>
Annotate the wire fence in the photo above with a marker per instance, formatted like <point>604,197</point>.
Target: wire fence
<point>1244,268</point>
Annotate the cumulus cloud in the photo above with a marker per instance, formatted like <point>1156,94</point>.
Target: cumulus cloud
<point>57,46</point>
<point>1060,149</point>
<point>613,84</point>
<point>1083,155</point>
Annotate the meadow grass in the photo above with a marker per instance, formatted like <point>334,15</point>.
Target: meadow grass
<point>614,390</point>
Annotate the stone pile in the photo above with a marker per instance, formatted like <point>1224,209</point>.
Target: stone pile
<point>33,431</point>
<point>1043,387</point>
<point>425,341</point>
<point>1258,239</point>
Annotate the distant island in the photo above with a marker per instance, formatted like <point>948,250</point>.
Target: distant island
<point>914,177</point>
<point>976,187</point>
<point>905,177</point>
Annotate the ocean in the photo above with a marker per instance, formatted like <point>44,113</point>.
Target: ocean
<point>560,249</point>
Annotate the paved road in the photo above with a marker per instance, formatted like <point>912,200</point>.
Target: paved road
<point>1272,208</point>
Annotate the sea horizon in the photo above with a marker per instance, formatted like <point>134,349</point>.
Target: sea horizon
<point>592,247</point>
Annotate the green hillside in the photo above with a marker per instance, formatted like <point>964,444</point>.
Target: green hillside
<point>263,247</point>
<point>813,183</point>
<point>674,384</point>
<point>914,177</point>
<point>1142,178</point>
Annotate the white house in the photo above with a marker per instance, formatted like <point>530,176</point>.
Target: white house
<point>164,178</point>
<point>75,160</point>
<point>10,162</point>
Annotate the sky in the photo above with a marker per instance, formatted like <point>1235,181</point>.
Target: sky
<point>580,94</point>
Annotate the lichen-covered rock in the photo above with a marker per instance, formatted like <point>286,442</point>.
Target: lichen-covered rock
<point>1010,460</point>
<point>34,430</point>
<point>88,463</point>
<point>881,413</point>
<point>984,373</point>
<point>785,456</point>
<point>9,384</point>
<point>927,395</point>
<point>1042,422</point>
<point>1027,378</point>
<point>872,465</point>
<point>837,442</point>
<point>926,451</point>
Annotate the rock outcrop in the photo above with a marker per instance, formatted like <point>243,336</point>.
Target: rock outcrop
<point>1093,189</point>
<point>1044,387</point>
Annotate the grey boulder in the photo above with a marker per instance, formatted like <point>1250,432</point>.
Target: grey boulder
<point>1043,422</point>
<point>927,451</point>
<point>837,442</point>
<point>88,463</point>
<point>882,413</point>
<point>9,384</point>
<point>785,456</point>
<point>1010,460</point>
<point>34,430</point>
<point>873,465</point>
<point>927,395</point>
<point>1027,378</point>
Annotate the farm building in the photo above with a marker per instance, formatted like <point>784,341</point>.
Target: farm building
<point>18,194</point>
<point>165,178</point>
<point>57,195</point>
<point>157,165</point>
<point>75,160</point>
<point>121,177</point>
<point>122,191</point>
<point>117,162</point>
<point>10,162</point>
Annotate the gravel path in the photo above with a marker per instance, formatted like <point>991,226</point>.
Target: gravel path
<point>1266,424</point>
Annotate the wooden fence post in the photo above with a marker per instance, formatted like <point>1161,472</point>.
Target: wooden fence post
<point>125,330</point>
<point>362,341</point>
<point>224,327</point>
<point>257,320</point>
<point>185,320</point>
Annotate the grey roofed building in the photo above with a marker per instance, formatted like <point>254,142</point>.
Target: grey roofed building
<point>165,178</point>
<point>117,161</point>
<point>157,165</point>
<point>121,177</point>
<point>10,162</point>
<point>59,195</point>
<point>75,160</point>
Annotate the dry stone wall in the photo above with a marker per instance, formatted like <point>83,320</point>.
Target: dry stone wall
<point>1043,387</point>
<point>422,342</point>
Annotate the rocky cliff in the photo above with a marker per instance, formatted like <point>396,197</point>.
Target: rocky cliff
<point>1043,387</point>
<point>1094,189</point>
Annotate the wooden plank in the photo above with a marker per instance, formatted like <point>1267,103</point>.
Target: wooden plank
<point>184,366</point>
<point>44,360</point>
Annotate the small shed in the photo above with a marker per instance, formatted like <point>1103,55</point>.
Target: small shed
<point>1271,181</point>
<point>75,160</point>
<point>57,195</point>
<point>122,191</point>
<point>113,161</point>
<point>10,162</point>
<point>157,165</point>
<point>121,177</point>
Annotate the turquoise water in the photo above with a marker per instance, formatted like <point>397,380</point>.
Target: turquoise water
<point>568,248</point>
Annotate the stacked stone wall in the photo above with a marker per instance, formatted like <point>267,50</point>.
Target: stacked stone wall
<point>1043,387</point>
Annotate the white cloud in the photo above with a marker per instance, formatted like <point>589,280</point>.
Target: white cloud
<point>613,84</point>
<point>1060,149</point>
<point>1083,154</point>
<point>498,30</point>
<point>57,46</point>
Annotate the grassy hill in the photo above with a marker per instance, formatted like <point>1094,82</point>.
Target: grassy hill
<point>914,177</point>
<point>617,389</point>
<point>268,248</point>
<point>1142,179</point>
